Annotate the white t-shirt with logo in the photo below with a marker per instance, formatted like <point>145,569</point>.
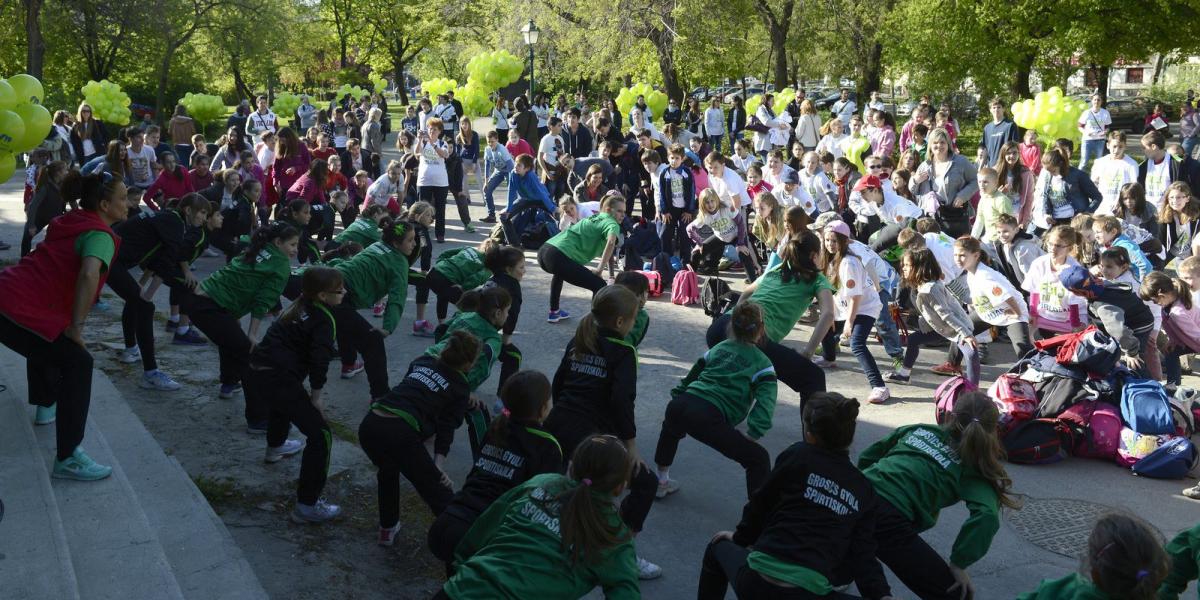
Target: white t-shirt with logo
<point>431,171</point>
<point>1054,300</point>
<point>853,280</point>
<point>943,251</point>
<point>551,145</point>
<point>1158,177</point>
<point>141,165</point>
<point>730,187</point>
<point>1110,174</point>
<point>990,293</point>
<point>797,197</point>
<point>1095,124</point>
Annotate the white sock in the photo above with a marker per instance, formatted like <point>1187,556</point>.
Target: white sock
<point>182,329</point>
<point>664,474</point>
<point>905,371</point>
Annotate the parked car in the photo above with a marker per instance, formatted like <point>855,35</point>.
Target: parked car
<point>737,93</point>
<point>1130,113</point>
<point>827,101</point>
<point>700,93</point>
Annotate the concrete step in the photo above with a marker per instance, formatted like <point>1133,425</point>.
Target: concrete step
<point>114,552</point>
<point>205,560</point>
<point>35,561</point>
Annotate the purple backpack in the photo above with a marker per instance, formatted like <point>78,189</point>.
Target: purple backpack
<point>946,395</point>
<point>684,289</point>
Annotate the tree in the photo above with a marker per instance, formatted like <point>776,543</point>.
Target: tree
<point>36,46</point>
<point>178,22</point>
<point>100,31</point>
<point>343,15</point>
<point>405,28</point>
<point>778,25</point>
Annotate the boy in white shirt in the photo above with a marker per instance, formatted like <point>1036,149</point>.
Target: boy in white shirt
<point>726,182</point>
<point>261,120</point>
<point>791,193</point>
<point>816,183</point>
<point>742,157</point>
<point>1112,171</point>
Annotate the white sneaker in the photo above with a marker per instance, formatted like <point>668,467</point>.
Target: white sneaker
<point>647,569</point>
<point>288,448</point>
<point>879,395</point>
<point>387,535</point>
<point>666,488</point>
<point>824,364</point>
<point>157,380</point>
<point>209,252</point>
<point>320,512</point>
<point>130,355</point>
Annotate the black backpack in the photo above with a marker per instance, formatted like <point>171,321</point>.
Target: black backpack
<point>662,264</point>
<point>714,296</point>
<point>1039,442</point>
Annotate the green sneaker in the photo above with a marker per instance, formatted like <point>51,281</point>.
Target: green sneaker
<point>45,415</point>
<point>469,228</point>
<point>80,467</point>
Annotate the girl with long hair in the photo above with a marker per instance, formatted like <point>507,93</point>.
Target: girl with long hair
<point>941,315</point>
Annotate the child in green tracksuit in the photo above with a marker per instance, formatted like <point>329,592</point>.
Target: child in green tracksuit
<point>563,531</point>
<point>640,286</point>
<point>453,273</point>
<point>733,382</point>
<point>364,230</point>
<point>380,270</point>
<point>917,471</point>
<point>1184,551</point>
<point>1124,561</point>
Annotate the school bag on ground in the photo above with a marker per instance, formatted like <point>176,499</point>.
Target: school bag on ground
<point>1172,460</point>
<point>662,265</point>
<point>1135,446</point>
<point>1097,428</point>
<point>1090,349</point>
<point>1146,408</point>
<point>656,283</point>
<point>1038,442</point>
<point>1056,394</point>
<point>1183,409</point>
<point>684,289</point>
<point>713,295</point>
<point>946,395</point>
<point>1015,398</point>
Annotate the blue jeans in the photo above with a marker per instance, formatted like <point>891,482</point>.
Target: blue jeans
<point>715,141</point>
<point>858,345</point>
<point>1189,144</point>
<point>1092,149</point>
<point>886,326</point>
<point>493,182</point>
<point>1172,366</point>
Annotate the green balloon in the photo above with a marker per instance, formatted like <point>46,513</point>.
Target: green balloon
<point>37,125</point>
<point>8,97</point>
<point>28,89</point>
<point>8,164</point>
<point>12,131</point>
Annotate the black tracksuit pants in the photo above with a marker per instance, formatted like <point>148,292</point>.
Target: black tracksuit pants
<point>701,419</point>
<point>725,562</point>
<point>355,335</point>
<point>397,449</point>
<point>795,371</point>
<point>288,403</point>
<point>447,292</point>
<point>554,262</point>
<point>233,345</point>
<point>57,372</point>
<point>137,318</point>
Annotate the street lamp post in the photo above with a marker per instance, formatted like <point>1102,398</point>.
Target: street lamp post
<point>531,33</point>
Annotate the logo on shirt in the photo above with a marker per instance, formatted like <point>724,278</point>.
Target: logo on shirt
<point>850,284</point>
<point>996,291</point>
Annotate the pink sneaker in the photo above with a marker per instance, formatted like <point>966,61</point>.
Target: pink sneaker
<point>422,329</point>
<point>379,308</point>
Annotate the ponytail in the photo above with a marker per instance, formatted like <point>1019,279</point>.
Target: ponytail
<point>502,258</point>
<point>1157,282</point>
<point>973,429</point>
<point>277,231</point>
<point>831,418</point>
<point>1125,557</point>
<point>90,190</point>
<point>525,396</point>
<point>609,304</point>
<point>797,257</point>
<point>345,250</point>
<point>460,350</point>
<point>600,467</point>
<point>484,300</point>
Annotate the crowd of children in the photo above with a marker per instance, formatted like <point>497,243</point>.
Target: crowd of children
<point>832,231</point>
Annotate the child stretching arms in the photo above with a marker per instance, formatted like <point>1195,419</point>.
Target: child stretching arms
<point>1124,559</point>
<point>515,449</point>
<point>793,535</point>
<point>508,269</point>
<point>298,346</point>
<point>595,388</point>
<point>454,272</point>
<point>733,382</point>
<point>428,403</point>
<point>1180,319</point>
<point>715,227</point>
<point>941,315</point>
<point>919,470</point>
<point>1114,266</point>
<point>563,531</point>
<point>994,301</point>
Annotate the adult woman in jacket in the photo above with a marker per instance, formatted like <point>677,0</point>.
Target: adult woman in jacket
<point>952,177</point>
<point>372,141</point>
<point>808,126</point>
<point>525,122</point>
<point>1062,191</point>
<point>231,151</point>
<point>87,135</point>
<point>735,120</point>
<point>592,188</point>
<point>181,128</point>
<point>291,161</point>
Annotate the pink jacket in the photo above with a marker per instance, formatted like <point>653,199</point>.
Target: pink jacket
<point>306,189</point>
<point>1183,325</point>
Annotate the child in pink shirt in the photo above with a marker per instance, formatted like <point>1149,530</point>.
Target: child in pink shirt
<point>1181,319</point>
<point>517,146</point>
<point>1031,152</point>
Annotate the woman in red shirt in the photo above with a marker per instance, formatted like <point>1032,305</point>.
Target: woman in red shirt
<point>173,181</point>
<point>44,304</point>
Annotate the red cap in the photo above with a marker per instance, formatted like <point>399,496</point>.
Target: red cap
<point>870,181</point>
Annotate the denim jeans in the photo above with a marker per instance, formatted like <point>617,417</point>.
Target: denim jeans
<point>1189,144</point>
<point>715,141</point>
<point>1172,366</point>
<point>1092,149</point>
<point>494,182</point>
<point>858,345</point>
<point>886,326</point>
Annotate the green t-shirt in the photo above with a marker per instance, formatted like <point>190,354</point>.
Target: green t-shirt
<point>240,287</point>
<point>1069,587</point>
<point>586,239</point>
<point>363,231</point>
<point>96,243</point>
<point>784,303</point>
<point>463,267</point>
<point>638,332</point>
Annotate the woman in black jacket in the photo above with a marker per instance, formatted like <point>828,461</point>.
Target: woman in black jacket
<point>811,526</point>
<point>237,200</point>
<point>88,138</point>
<point>47,202</point>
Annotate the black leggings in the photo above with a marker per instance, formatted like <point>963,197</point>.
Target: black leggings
<point>137,318</point>
<point>287,402</point>
<point>396,449</point>
<point>570,430</point>
<point>725,562</point>
<point>57,372</point>
<point>701,419</point>
<point>447,292</point>
<point>791,367</point>
<point>901,548</point>
<point>447,531</point>
<point>437,197</point>
<point>233,345</point>
<point>674,236</point>
<point>1018,334</point>
<point>356,335</point>
<point>553,261</point>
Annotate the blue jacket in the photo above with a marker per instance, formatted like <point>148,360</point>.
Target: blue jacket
<point>528,187</point>
<point>1137,259</point>
<point>1078,190</point>
<point>689,190</point>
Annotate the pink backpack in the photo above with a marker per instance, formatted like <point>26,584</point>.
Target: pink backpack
<point>684,289</point>
<point>946,395</point>
<point>1100,423</point>
<point>655,279</point>
<point>1016,400</point>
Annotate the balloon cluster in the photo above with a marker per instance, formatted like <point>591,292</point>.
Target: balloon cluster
<point>108,102</point>
<point>24,122</point>
<point>204,108</point>
<point>378,83</point>
<point>1050,114</point>
<point>781,100</point>
<point>439,86</point>
<point>475,99</point>
<point>356,93</point>
<point>494,70</point>
<point>285,106</point>
<point>656,100</point>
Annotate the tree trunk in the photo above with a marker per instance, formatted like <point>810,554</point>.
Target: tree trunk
<point>164,73</point>
<point>872,72</point>
<point>664,45</point>
<point>1160,63</point>
<point>779,41</point>
<point>398,68</point>
<point>1100,75</point>
<point>239,84</point>
<point>342,49</point>
<point>35,54</point>
<point>1020,85</point>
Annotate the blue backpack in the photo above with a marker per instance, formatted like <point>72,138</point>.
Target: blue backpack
<point>1146,408</point>
<point>1172,460</point>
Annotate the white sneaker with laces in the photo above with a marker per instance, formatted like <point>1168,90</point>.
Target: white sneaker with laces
<point>824,364</point>
<point>319,512</point>
<point>666,488</point>
<point>387,535</point>
<point>288,448</point>
<point>130,355</point>
<point>879,395</point>
<point>647,569</point>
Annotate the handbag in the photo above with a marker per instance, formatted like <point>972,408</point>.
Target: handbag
<point>756,126</point>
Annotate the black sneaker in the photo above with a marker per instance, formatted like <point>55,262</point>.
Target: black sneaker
<point>491,218</point>
<point>895,377</point>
